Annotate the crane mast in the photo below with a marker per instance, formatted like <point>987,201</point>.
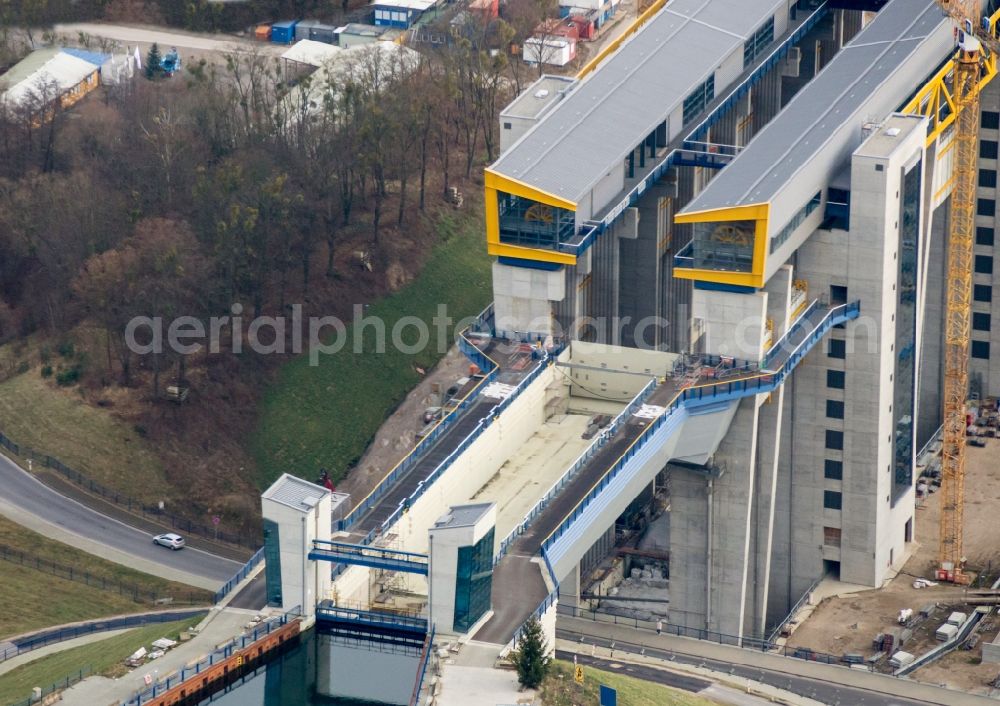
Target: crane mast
<point>966,93</point>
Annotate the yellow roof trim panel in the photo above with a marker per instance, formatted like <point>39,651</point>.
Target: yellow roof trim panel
<point>752,212</point>
<point>518,188</point>
<point>522,253</point>
<point>738,279</point>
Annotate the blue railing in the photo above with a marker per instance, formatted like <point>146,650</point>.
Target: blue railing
<point>712,392</point>
<point>571,472</point>
<point>425,658</point>
<point>777,55</point>
<point>220,654</point>
<point>51,636</point>
<point>690,153</point>
<point>374,557</point>
<point>244,571</point>
<point>330,612</point>
<point>420,448</point>
<point>480,427</point>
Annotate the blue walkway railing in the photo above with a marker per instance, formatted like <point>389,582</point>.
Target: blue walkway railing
<point>692,151</point>
<point>374,557</point>
<point>327,611</point>
<point>425,658</point>
<point>482,426</point>
<point>713,392</point>
<point>571,472</point>
<point>488,366</point>
<point>244,571</point>
<point>221,653</point>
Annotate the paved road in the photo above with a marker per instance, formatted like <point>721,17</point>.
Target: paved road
<point>824,683</point>
<point>28,501</point>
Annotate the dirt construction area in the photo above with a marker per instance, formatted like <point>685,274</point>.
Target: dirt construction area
<point>850,618</point>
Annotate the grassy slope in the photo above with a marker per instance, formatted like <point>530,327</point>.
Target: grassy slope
<point>100,656</point>
<point>34,412</point>
<point>325,416</point>
<point>68,601</point>
<point>559,689</point>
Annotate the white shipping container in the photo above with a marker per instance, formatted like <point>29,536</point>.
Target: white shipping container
<point>556,51</point>
<point>956,619</point>
<point>946,632</point>
<point>901,659</point>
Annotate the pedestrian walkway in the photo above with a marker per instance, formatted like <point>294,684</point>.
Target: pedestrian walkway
<point>226,624</point>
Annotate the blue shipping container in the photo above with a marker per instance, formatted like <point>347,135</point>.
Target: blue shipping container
<point>283,32</point>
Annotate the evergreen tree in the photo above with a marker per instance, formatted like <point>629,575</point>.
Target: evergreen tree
<point>153,62</point>
<point>531,658</point>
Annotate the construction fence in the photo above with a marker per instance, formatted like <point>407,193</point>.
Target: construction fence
<point>136,507</point>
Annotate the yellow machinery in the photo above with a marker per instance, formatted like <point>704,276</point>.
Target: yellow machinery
<point>965,92</point>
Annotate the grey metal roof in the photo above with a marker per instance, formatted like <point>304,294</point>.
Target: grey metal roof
<point>295,492</point>
<point>592,129</point>
<point>539,97</point>
<point>463,515</point>
<point>867,71</point>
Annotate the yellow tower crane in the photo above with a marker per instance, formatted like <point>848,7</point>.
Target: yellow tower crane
<point>967,81</point>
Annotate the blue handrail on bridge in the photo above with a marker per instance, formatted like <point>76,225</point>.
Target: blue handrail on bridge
<point>327,611</point>
<point>714,392</point>
<point>374,557</point>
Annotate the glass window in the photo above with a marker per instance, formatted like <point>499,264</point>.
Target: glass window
<point>984,236</point>
<point>835,409</point>
<point>981,349</point>
<point>832,500</point>
<point>987,149</point>
<point>838,348</point>
<point>980,321</point>
<point>272,563</point>
<point>982,292</point>
<point>533,224</point>
<point>834,439</point>
<point>755,45</point>
<point>835,379</point>
<point>904,380</point>
<point>986,207</point>
<point>473,582</point>
<point>838,294</point>
<point>988,178</point>
<point>695,103</point>
<point>725,246</point>
<point>984,264</point>
<point>990,120</point>
<point>785,233</point>
<point>834,470</point>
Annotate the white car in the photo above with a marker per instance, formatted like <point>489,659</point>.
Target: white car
<point>169,540</point>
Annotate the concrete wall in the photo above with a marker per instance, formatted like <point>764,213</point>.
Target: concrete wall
<point>984,373</point>
<point>602,378</point>
<point>477,465</point>
<point>523,298</point>
<point>734,322</point>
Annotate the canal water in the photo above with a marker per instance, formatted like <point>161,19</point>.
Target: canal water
<point>288,680</point>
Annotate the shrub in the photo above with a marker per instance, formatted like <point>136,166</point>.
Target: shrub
<point>66,349</point>
<point>46,371</point>
<point>68,376</point>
